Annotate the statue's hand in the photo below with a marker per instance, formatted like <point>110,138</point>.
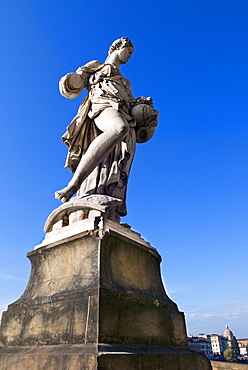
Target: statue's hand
<point>142,100</point>
<point>75,81</point>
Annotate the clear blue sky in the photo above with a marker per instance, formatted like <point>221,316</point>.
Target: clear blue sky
<point>188,186</point>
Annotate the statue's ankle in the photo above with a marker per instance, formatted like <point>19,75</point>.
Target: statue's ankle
<point>75,183</point>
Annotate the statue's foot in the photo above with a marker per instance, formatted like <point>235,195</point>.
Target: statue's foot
<point>65,194</point>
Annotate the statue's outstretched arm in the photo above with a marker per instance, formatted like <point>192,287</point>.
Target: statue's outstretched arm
<point>72,84</point>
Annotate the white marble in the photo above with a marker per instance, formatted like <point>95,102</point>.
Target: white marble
<point>102,136</point>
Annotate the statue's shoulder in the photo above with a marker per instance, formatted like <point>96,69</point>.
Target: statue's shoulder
<point>93,64</point>
<point>89,67</point>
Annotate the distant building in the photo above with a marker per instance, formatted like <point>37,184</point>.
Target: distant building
<point>229,335</point>
<point>213,345</point>
<point>219,344</point>
<point>243,343</point>
<point>201,343</point>
<point>232,341</point>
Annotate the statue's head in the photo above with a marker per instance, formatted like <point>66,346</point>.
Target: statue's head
<point>121,49</point>
<point>120,44</point>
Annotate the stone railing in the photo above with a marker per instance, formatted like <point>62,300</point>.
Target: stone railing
<point>218,365</point>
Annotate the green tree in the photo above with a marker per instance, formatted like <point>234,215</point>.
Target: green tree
<point>235,346</point>
<point>230,355</point>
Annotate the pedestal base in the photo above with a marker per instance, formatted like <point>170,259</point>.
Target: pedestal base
<point>102,357</point>
<point>90,288</point>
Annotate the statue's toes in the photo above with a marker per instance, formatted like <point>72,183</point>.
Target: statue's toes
<point>60,196</point>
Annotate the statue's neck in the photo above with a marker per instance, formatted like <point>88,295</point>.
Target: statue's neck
<point>114,60</point>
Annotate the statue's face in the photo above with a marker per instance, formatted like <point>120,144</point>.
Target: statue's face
<point>125,54</point>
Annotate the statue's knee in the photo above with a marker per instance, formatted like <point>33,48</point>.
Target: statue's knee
<point>122,129</point>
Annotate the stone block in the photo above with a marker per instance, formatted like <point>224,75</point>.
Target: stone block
<point>95,300</point>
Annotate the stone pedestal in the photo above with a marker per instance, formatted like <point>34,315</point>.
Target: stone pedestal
<point>95,300</point>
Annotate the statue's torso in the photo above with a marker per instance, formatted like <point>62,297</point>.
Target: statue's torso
<point>108,88</point>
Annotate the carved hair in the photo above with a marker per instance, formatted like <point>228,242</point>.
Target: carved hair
<point>119,44</point>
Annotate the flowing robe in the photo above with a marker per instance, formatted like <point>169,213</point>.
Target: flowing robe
<point>106,88</point>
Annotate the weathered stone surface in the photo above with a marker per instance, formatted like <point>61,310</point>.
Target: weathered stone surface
<point>160,361</point>
<point>93,288</point>
<point>102,357</point>
<point>49,358</point>
<point>219,365</point>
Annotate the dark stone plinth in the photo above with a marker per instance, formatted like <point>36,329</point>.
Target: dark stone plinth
<point>89,289</point>
<point>101,357</point>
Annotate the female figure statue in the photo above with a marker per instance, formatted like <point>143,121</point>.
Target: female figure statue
<point>102,136</point>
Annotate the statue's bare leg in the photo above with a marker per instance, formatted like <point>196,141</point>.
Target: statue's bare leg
<point>114,127</point>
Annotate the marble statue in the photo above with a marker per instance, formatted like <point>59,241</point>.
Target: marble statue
<point>102,136</point>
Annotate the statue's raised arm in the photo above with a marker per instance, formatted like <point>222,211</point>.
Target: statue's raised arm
<point>102,136</point>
